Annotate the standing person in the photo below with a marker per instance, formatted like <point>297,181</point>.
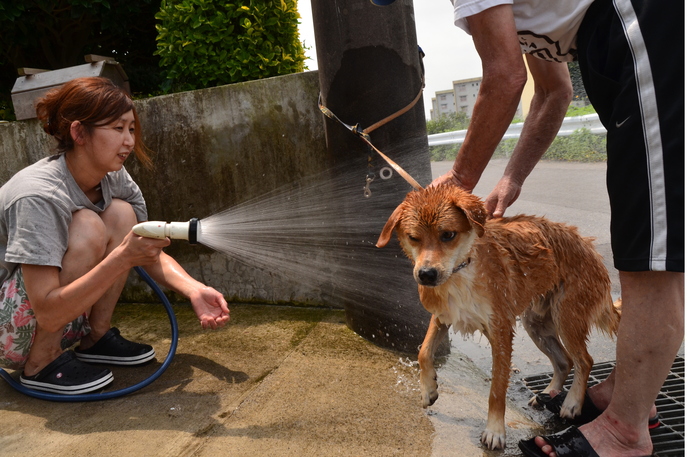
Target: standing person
<point>66,245</point>
<point>630,53</point>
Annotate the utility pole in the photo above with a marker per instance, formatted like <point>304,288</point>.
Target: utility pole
<point>370,68</point>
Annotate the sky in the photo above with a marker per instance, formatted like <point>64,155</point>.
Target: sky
<point>450,53</point>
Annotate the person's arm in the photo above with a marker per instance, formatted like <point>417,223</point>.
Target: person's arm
<point>208,304</point>
<point>552,94</point>
<point>503,78</point>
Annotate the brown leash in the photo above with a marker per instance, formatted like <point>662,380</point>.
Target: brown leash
<point>364,133</point>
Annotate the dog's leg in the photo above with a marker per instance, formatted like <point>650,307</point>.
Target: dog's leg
<point>501,339</point>
<point>543,332</point>
<point>575,341</point>
<point>427,376</point>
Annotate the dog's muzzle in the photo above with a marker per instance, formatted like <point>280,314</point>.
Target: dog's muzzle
<point>427,276</point>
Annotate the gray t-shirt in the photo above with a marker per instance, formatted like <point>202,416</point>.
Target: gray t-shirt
<point>36,209</point>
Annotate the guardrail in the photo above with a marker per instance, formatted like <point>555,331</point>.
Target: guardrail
<point>570,125</point>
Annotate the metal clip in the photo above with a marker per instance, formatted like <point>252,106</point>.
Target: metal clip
<point>367,191</point>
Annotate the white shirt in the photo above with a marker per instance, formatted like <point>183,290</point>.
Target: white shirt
<point>546,29</point>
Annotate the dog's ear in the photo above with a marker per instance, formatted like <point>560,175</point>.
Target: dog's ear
<point>392,222</point>
<point>473,208</point>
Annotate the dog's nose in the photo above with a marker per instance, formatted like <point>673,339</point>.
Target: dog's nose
<point>427,276</point>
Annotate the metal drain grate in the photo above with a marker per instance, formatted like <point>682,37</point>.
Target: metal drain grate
<point>669,437</point>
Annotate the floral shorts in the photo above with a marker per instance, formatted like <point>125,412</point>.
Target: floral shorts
<point>18,324</point>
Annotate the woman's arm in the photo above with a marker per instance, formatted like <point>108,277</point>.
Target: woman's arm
<point>55,305</point>
<point>209,304</point>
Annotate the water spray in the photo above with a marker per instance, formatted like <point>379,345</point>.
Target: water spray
<point>190,231</point>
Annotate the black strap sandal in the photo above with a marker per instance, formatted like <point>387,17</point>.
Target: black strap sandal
<point>67,375</point>
<point>568,443</point>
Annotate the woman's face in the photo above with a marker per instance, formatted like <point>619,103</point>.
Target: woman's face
<point>110,144</point>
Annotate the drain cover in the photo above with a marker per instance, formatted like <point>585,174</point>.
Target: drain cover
<point>669,437</point>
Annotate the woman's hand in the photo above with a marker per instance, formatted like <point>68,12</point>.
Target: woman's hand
<point>141,251</point>
<point>210,307</point>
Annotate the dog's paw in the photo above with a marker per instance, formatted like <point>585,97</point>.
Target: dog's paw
<point>494,439</point>
<point>571,407</point>
<point>429,387</point>
<point>429,398</point>
<point>534,403</point>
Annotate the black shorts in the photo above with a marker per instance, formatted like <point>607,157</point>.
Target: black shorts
<point>631,53</point>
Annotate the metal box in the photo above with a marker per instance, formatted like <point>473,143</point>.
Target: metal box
<point>35,84</point>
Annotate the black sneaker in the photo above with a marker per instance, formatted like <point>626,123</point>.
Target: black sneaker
<point>67,375</point>
<point>115,350</point>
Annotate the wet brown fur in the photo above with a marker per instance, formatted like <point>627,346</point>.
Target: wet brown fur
<point>523,266</point>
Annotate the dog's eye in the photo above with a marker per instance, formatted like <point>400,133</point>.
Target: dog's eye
<point>412,238</point>
<point>447,236</point>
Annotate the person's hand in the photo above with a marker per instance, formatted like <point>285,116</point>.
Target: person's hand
<point>504,194</point>
<point>451,178</point>
<point>210,307</point>
<point>141,251</point>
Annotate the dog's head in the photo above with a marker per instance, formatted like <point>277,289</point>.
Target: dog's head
<point>436,228</point>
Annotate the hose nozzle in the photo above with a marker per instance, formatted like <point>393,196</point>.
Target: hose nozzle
<point>174,230</point>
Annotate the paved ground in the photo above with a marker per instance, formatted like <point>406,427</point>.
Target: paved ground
<point>297,382</point>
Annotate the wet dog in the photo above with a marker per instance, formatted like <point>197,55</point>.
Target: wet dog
<point>479,274</point>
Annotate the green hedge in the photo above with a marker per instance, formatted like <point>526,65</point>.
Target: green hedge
<point>581,146</point>
<point>204,43</point>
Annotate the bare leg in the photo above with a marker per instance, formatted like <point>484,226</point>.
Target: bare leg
<point>84,250</point>
<point>91,238</point>
<point>118,219</point>
<point>650,334</point>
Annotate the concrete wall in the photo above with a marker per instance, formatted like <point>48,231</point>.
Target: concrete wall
<point>217,147</point>
<point>213,148</point>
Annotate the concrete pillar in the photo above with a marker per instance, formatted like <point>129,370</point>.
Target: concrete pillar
<point>369,68</point>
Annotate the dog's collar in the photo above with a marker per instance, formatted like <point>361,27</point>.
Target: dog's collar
<point>462,265</point>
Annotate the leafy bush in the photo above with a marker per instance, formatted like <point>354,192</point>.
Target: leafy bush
<point>54,34</point>
<point>204,43</point>
<point>448,123</point>
<point>579,111</point>
<point>581,146</point>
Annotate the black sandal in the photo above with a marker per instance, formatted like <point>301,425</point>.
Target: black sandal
<point>113,349</point>
<point>67,375</point>
<point>589,411</point>
<point>568,443</point>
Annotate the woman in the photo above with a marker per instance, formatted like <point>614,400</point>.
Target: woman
<point>66,245</point>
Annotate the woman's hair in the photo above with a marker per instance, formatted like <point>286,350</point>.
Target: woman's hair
<point>92,101</point>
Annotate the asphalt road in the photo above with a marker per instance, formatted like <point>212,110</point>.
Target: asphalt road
<point>573,193</point>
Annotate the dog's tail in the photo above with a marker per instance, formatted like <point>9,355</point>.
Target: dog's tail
<point>610,318</point>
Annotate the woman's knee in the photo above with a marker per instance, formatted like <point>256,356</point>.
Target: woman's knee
<point>118,218</point>
<point>87,234</point>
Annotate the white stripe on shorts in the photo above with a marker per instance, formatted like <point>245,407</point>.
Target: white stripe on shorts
<point>651,131</point>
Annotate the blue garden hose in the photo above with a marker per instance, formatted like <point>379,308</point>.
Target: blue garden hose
<point>115,393</point>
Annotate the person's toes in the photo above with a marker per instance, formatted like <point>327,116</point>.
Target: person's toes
<point>545,447</point>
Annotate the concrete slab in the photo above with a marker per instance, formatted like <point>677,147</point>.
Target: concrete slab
<point>276,381</point>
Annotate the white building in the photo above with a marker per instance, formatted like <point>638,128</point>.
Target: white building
<point>462,97</point>
<point>459,99</point>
